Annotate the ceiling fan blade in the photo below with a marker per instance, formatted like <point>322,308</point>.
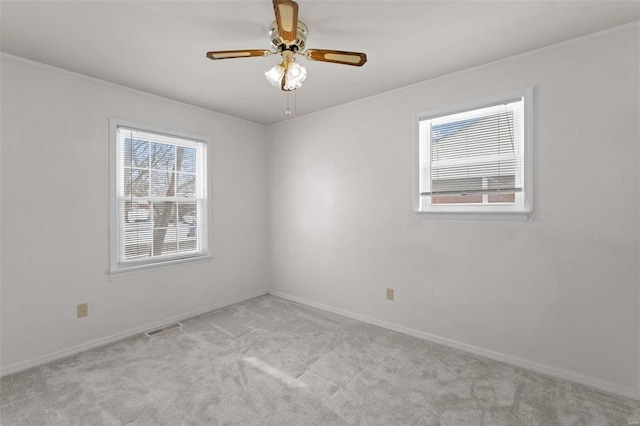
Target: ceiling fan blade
<point>229,54</point>
<point>337,57</point>
<point>286,19</point>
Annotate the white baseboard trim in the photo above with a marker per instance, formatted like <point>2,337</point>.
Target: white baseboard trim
<point>64,353</point>
<point>624,391</point>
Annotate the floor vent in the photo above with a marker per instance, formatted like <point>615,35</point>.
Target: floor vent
<point>163,329</point>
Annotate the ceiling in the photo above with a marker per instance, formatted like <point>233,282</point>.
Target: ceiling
<point>159,46</point>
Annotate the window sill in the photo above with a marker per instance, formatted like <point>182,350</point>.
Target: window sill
<point>124,271</point>
<point>477,216</point>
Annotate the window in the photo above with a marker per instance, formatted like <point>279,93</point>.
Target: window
<point>158,197</point>
<point>474,160</point>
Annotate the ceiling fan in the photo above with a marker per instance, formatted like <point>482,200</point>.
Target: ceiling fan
<point>288,37</point>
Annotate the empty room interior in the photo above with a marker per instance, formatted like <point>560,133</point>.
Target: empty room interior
<point>428,212</point>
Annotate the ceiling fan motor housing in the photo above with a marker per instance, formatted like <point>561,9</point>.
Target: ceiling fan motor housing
<point>278,43</point>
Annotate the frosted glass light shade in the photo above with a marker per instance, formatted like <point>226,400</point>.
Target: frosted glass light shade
<point>294,76</point>
<point>275,74</point>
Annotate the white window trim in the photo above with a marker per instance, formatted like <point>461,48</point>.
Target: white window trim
<point>472,213</point>
<point>117,269</point>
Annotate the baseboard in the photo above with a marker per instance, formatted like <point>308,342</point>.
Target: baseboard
<point>58,355</point>
<point>601,385</point>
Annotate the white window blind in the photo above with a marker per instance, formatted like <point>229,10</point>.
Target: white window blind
<point>160,198</point>
<point>474,159</point>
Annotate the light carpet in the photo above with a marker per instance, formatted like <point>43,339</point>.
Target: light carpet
<point>269,361</point>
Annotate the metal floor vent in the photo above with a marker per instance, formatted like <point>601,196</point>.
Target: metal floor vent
<point>163,329</point>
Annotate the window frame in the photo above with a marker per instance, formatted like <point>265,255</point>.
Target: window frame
<point>481,212</point>
<point>118,267</point>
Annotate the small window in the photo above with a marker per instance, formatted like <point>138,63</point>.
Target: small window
<point>474,159</point>
<point>159,197</point>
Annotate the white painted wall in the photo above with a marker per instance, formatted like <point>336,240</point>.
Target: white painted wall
<point>560,294</point>
<point>55,220</point>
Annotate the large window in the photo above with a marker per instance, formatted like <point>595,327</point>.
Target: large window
<point>474,159</point>
<point>159,197</point>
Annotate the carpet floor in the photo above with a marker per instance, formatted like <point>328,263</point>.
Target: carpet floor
<point>269,361</point>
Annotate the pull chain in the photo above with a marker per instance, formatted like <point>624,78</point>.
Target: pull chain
<point>288,112</point>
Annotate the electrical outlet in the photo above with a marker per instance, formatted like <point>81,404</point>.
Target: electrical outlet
<point>83,310</point>
<point>389,294</point>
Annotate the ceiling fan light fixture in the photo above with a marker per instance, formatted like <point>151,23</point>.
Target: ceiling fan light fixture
<point>287,75</point>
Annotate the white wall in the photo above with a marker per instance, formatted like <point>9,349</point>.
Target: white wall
<point>560,294</point>
<point>55,215</point>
